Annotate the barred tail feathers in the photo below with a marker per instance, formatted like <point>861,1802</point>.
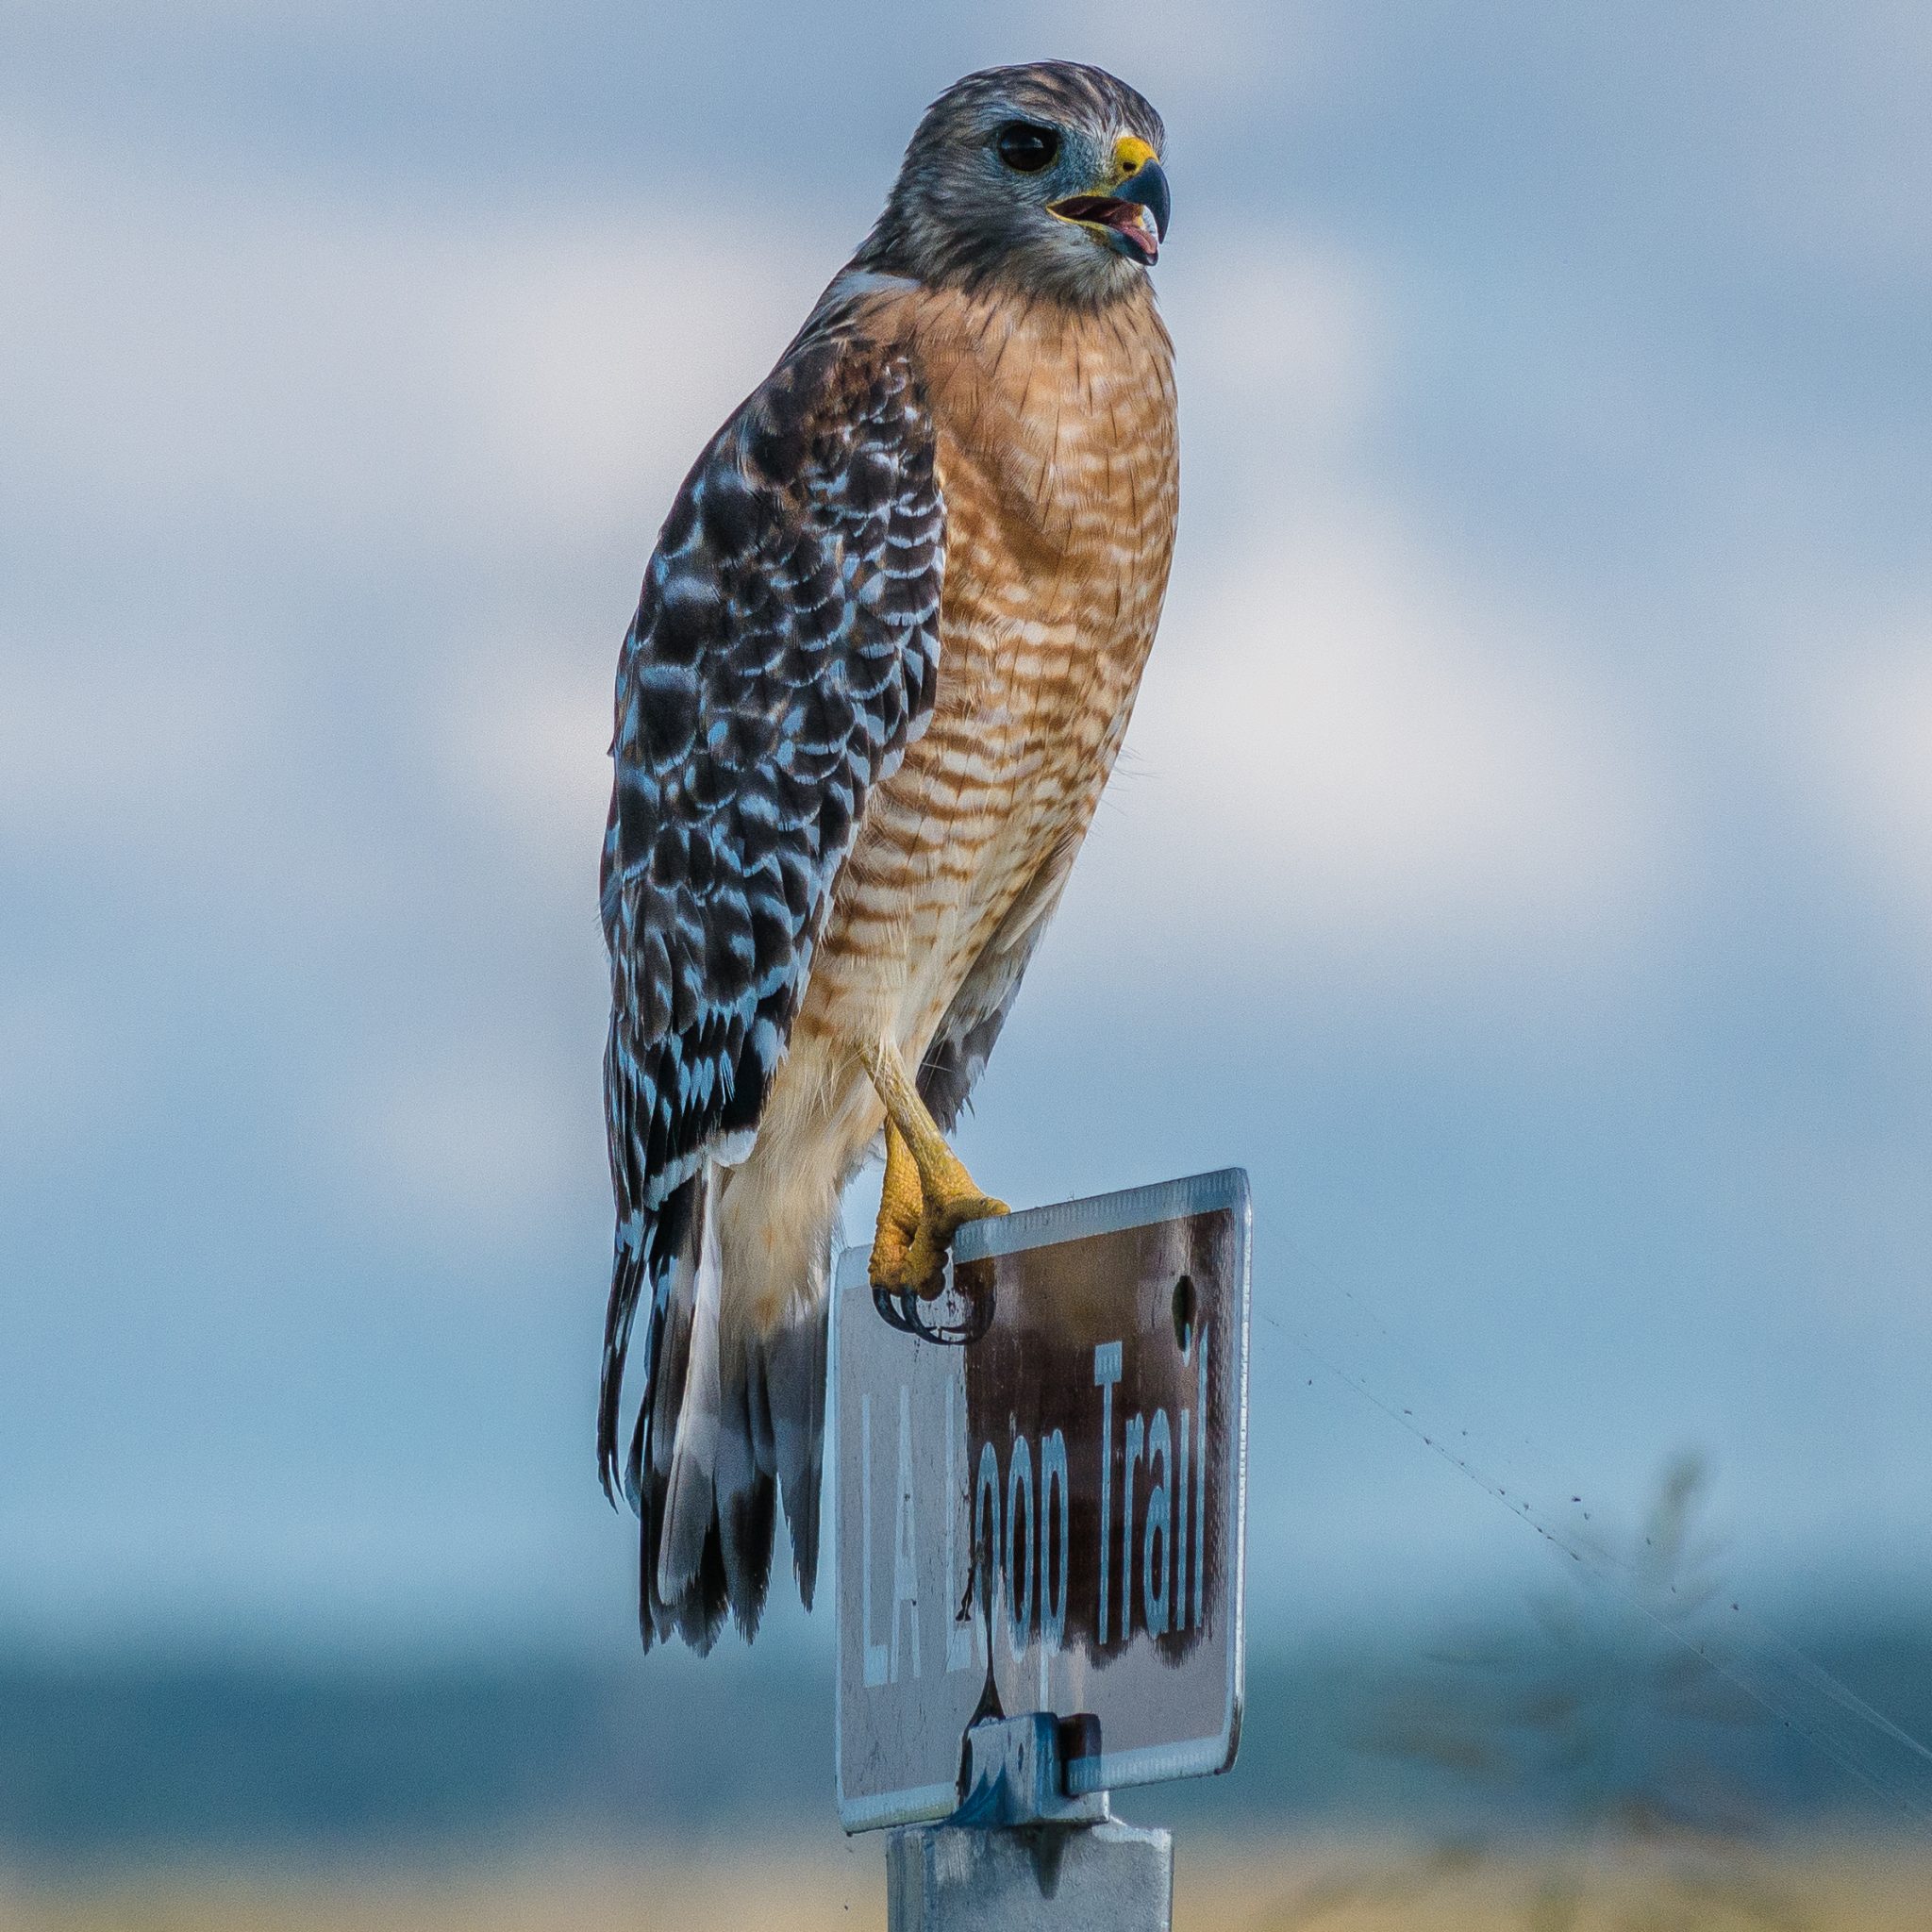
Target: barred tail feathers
<point>732,1422</point>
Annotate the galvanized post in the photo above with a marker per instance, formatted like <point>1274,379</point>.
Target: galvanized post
<point>1020,1856</point>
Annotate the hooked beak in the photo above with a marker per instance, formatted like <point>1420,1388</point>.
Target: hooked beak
<point>1131,217</point>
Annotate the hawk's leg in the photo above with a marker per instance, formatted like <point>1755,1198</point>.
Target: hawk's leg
<point>928,1195</point>
<point>900,1201</point>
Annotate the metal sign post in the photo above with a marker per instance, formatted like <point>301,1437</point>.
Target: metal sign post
<point>1040,1536</point>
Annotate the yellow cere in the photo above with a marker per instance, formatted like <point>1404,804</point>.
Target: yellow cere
<point>1129,153</point>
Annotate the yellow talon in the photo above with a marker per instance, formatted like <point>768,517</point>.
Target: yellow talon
<point>928,1195</point>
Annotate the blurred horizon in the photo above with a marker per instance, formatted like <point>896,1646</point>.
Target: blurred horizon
<point>116,1763</point>
<point>1522,859</point>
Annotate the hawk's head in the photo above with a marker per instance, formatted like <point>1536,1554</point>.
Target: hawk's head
<point>1047,178</point>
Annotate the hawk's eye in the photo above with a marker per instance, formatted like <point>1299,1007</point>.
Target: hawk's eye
<point>1025,147</point>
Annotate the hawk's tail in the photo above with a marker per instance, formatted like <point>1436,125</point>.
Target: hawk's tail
<point>731,1420</point>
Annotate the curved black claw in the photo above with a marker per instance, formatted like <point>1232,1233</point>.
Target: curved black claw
<point>890,1303</point>
<point>955,1335</point>
<point>977,1317</point>
<point>905,1310</point>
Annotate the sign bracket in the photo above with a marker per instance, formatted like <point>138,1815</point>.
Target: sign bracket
<point>1014,1775</point>
<point>1021,1850</point>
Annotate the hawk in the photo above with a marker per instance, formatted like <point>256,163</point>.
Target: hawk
<point>885,653</point>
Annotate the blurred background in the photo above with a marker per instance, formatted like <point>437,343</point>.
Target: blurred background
<point>1521,862</point>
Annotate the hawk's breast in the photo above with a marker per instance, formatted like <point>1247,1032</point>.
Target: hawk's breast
<point>1057,459</point>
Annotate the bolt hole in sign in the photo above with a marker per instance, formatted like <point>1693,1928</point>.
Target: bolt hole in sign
<point>1050,1517</point>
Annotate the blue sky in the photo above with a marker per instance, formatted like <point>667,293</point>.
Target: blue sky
<point>1521,860</point>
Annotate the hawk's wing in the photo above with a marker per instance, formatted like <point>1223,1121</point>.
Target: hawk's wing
<point>785,651</point>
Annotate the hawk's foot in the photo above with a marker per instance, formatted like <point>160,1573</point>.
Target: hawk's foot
<point>927,1196</point>
<point>925,1259</point>
<point>915,1230</point>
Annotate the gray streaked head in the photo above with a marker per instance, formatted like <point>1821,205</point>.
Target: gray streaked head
<point>1044,177</point>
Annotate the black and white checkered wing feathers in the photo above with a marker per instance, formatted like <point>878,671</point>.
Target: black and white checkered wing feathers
<point>784,653</point>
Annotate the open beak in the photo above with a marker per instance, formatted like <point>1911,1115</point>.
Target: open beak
<point>1132,216</point>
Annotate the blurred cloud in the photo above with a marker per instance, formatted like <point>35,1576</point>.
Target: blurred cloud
<point>484,1142</point>
<point>1364,746</point>
<point>275,363</point>
<point>1869,725</point>
<point>525,740</point>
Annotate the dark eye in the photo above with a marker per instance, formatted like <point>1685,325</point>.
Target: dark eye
<point>1028,148</point>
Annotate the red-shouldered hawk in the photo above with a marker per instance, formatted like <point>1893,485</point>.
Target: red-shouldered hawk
<point>886,651</point>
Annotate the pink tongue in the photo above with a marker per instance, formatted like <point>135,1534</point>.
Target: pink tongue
<point>1126,216</point>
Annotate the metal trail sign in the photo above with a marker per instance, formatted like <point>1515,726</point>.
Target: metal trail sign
<point>1051,1517</point>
